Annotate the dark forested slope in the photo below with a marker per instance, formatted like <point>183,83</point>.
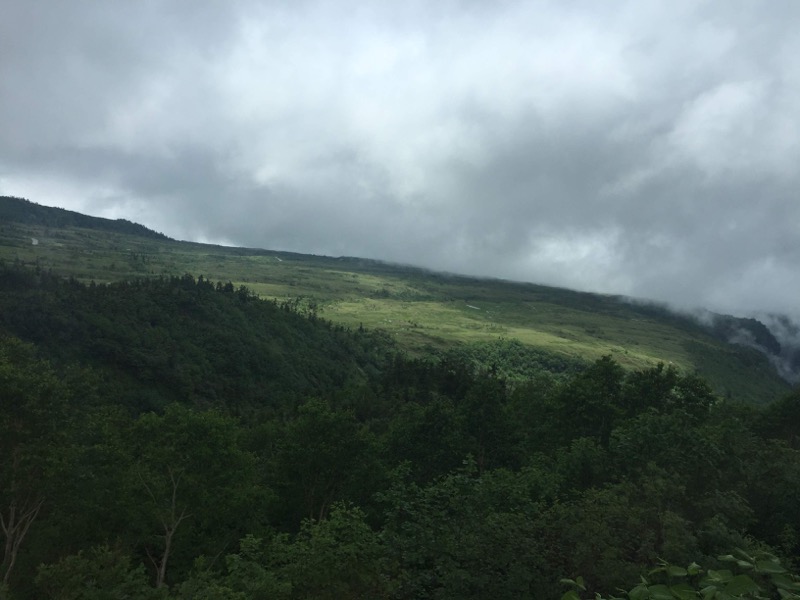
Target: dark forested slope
<point>167,436</point>
<point>181,339</point>
<point>178,438</point>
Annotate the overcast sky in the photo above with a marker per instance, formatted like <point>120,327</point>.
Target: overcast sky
<point>642,148</point>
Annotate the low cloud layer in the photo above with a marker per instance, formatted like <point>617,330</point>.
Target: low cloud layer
<point>648,149</point>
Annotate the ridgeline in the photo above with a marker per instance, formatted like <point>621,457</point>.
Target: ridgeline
<point>425,313</point>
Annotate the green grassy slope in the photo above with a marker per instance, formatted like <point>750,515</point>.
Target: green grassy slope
<point>423,311</point>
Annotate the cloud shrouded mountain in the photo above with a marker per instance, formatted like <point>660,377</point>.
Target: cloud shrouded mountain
<point>648,149</point>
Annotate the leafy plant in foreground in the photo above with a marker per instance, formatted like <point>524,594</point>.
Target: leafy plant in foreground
<point>763,578</point>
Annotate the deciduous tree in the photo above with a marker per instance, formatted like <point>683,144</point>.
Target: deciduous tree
<point>33,408</point>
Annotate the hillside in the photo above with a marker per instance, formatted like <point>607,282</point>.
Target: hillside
<point>177,339</point>
<point>168,436</point>
<point>424,312</point>
<point>20,210</point>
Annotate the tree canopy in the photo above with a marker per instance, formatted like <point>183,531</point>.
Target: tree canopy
<point>179,438</point>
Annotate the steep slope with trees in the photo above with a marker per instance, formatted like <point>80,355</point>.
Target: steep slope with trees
<point>409,478</point>
<point>174,437</point>
<point>178,338</point>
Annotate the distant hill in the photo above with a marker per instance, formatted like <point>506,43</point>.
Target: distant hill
<point>19,210</point>
<point>508,327</point>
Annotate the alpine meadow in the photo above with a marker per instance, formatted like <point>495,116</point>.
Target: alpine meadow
<point>195,421</point>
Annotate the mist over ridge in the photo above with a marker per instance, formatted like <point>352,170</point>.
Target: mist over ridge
<point>647,149</point>
<point>775,336</point>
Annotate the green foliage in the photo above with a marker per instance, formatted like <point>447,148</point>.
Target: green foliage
<point>512,360</point>
<point>183,340</point>
<point>324,455</point>
<point>192,483</point>
<point>779,419</point>
<point>467,535</point>
<point>763,577</point>
<point>33,444</point>
<point>547,487</point>
<point>337,557</point>
<point>102,573</point>
<point>591,402</point>
<point>247,576</point>
<point>667,391</point>
<point>430,437</point>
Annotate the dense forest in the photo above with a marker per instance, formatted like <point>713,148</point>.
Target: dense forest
<point>181,438</point>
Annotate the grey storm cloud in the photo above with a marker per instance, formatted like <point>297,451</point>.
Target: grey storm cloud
<point>642,148</point>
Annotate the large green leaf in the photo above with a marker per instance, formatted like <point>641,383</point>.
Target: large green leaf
<point>674,571</point>
<point>722,576</point>
<point>683,591</point>
<point>660,592</point>
<point>709,592</point>
<point>741,584</point>
<point>784,582</point>
<point>769,566</point>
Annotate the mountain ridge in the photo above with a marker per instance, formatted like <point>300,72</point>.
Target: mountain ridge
<point>426,311</point>
<point>21,210</point>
